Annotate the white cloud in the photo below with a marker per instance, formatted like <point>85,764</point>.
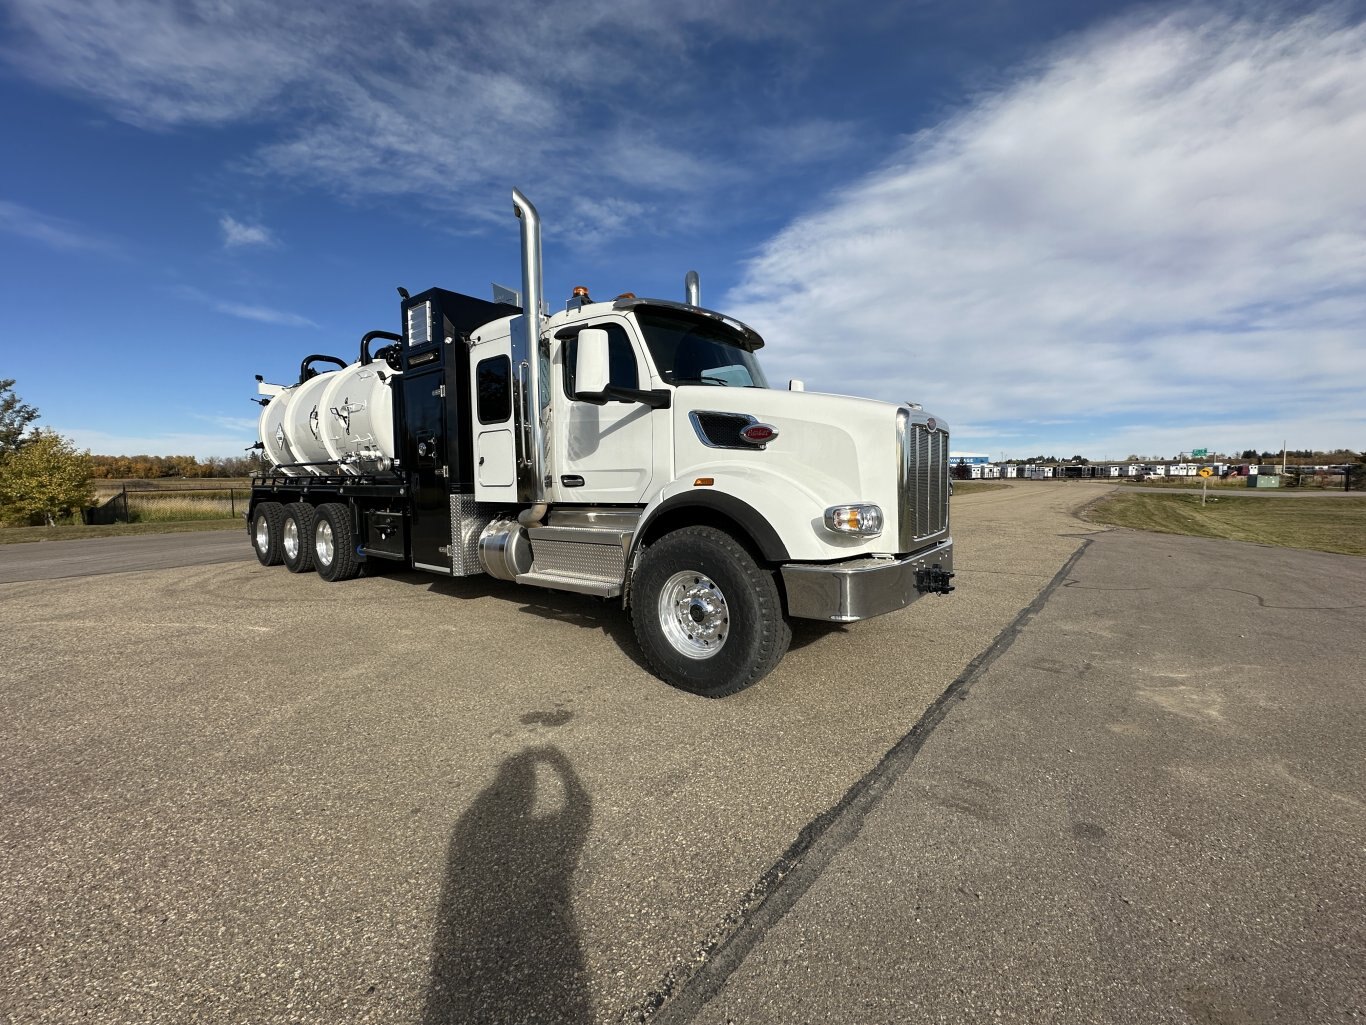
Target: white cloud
<point>161,63</point>
<point>52,232</point>
<point>1162,220</point>
<point>439,101</point>
<point>246,311</point>
<point>236,234</point>
<point>263,314</point>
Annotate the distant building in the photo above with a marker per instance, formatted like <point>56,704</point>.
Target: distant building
<point>970,458</point>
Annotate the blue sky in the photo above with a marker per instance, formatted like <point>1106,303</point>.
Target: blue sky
<point>1065,227</point>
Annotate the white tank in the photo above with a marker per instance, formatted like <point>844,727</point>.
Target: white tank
<point>343,419</point>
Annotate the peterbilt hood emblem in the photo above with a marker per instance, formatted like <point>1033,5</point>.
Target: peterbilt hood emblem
<point>759,434</point>
<point>931,423</point>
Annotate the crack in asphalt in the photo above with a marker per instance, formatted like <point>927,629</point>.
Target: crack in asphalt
<point>686,987</point>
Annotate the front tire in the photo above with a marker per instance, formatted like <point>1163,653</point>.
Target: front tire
<point>296,537</point>
<point>709,619</point>
<point>266,524</point>
<point>334,543</point>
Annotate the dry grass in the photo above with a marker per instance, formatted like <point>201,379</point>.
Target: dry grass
<point>1323,524</point>
<point>203,505</point>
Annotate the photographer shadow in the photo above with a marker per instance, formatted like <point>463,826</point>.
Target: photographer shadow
<point>506,946</point>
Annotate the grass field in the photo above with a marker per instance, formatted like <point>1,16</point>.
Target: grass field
<point>175,501</point>
<point>1323,524</point>
<point>1233,484</point>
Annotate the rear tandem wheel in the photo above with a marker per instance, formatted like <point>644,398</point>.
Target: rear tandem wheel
<point>296,537</point>
<point>334,543</point>
<point>266,533</point>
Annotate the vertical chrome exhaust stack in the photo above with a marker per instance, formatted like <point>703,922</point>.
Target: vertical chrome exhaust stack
<point>692,288</point>
<point>531,476</point>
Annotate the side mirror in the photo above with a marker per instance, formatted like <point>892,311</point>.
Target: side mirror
<point>796,384</point>
<point>591,364</point>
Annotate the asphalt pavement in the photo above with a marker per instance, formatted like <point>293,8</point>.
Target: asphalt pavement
<point>53,560</point>
<point>1148,805</point>
<point>228,793</point>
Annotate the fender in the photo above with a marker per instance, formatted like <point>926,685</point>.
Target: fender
<point>781,515</point>
<point>759,529</point>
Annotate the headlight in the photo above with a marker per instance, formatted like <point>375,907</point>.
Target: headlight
<point>860,520</point>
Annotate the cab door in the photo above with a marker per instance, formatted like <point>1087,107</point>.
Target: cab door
<point>492,403</point>
<point>603,454</point>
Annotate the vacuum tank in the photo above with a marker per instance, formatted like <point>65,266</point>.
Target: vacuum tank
<point>341,421</point>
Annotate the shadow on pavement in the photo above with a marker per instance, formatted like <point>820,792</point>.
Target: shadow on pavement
<point>506,945</point>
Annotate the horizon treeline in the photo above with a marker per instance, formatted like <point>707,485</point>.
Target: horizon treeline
<point>155,467</point>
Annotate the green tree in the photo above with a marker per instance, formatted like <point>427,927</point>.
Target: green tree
<point>43,479</point>
<point>15,416</point>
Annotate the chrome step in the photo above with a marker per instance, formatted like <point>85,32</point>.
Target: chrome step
<point>567,582</point>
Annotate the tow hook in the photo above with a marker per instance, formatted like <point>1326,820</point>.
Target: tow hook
<point>934,580</point>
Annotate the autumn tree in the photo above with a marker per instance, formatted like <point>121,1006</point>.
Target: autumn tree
<point>45,478</point>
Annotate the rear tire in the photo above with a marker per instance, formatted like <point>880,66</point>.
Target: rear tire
<point>296,537</point>
<point>266,524</point>
<point>334,543</point>
<point>709,618</point>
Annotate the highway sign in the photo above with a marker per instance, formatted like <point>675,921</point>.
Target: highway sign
<point>1199,453</point>
<point>1205,471</point>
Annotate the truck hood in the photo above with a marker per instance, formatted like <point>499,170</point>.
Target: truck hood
<point>831,449</point>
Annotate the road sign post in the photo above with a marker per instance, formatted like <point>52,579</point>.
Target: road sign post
<point>1205,473</point>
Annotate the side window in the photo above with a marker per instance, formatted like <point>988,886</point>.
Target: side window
<point>620,355</point>
<point>493,384</point>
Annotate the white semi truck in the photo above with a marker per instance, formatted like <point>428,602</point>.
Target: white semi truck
<point>629,449</point>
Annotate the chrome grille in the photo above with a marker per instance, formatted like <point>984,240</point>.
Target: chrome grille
<point>922,482</point>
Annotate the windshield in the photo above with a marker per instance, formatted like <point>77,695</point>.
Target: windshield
<point>689,350</point>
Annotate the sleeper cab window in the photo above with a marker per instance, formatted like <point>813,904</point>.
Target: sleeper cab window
<point>493,384</point>
<point>621,359</point>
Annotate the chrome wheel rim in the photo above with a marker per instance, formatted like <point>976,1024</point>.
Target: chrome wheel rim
<point>262,534</point>
<point>322,543</point>
<point>291,539</point>
<point>694,615</point>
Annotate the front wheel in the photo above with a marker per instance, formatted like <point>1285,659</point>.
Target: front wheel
<point>709,619</point>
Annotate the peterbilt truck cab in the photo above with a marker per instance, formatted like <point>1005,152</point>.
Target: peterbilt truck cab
<point>630,449</point>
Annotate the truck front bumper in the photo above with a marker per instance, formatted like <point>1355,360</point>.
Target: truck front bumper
<point>845,592</point>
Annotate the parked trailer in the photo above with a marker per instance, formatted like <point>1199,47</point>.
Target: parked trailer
<point>629,449</point>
